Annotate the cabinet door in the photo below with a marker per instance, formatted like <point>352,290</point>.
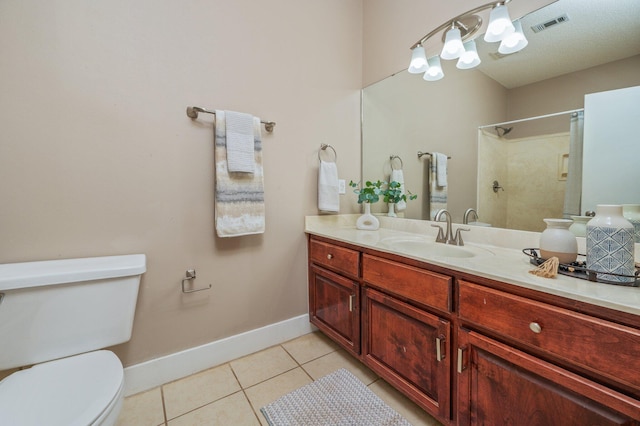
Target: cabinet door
<point>499,385</point>
<point>408,347</point>
<point>334,307</point>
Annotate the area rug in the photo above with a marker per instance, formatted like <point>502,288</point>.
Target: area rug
<point>338,399</point>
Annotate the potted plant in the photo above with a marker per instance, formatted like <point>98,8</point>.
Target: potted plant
<point>394,194</point>
<point>370,193</point>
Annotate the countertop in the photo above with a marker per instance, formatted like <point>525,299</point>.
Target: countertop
<point>498,256</point>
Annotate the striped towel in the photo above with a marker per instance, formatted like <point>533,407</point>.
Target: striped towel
<point>239,197</point>
<point>437,194</point>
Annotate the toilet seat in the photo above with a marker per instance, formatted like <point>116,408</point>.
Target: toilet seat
<point>75,390</point>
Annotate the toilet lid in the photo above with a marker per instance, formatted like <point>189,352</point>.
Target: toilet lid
<point>68,391</point>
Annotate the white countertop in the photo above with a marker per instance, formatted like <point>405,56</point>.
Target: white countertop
<point>499,256</point>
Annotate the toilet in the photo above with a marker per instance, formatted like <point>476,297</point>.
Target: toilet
<point>56,317</point>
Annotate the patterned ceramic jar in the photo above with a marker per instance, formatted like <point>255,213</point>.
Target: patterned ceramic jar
<point>631,212</point>
<point>610,244</point>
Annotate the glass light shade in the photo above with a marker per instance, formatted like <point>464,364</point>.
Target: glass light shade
<point>470,58</point>
<point>500,24</point>
<point>453,47</point>
<point>515,41</point>
<point>434,72</point>
<point>418,61</point>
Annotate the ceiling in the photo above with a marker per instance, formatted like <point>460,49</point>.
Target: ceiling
<point>596,32</point>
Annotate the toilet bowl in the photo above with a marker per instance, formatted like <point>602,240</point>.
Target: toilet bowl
<point>77,390</point>
<point>56,316</point>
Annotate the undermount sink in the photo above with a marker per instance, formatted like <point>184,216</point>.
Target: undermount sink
<point>423,247</point>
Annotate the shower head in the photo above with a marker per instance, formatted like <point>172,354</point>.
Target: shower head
<point>504,130</point>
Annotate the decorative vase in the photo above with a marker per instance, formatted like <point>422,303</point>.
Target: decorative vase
<point>558,241</point>
<point>392,210</point>
<point>631,212</point>
<point>610,244</point>
<point>367,221</point>
<point>579,225</point>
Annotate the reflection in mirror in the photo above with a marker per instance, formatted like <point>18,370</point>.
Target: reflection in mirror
<point>404,114</point>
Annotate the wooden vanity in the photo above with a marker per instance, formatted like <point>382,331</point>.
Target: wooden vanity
<point>472,350</point>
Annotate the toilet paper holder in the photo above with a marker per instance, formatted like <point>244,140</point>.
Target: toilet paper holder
<point>191,275</point>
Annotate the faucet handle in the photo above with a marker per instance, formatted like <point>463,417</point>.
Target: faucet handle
<point>458,238</point>
<point>440,238</point>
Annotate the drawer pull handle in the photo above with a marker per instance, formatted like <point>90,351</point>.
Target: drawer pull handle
<point>461,367</point>
<point>329,256</point>
<point>351,298</point>
<point>439,356</point>
<point>535,327</point>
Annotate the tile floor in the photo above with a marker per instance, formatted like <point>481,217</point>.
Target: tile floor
<point>233,393</point>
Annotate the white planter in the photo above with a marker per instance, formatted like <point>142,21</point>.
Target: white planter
<point>367,221</point>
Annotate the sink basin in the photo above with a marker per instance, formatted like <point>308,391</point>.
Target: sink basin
<point>423,247</point>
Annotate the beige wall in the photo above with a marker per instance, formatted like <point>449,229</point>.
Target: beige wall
<point>97,156</point>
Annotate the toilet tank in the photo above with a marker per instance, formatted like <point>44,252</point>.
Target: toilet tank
<point>57,308</point>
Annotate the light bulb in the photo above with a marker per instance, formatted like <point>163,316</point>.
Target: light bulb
<point>453,47</point>
<point>515,41</point>
<point>499,24</point>
<point>418,60</point>
<point>470,58</point>
<point>434,72</point>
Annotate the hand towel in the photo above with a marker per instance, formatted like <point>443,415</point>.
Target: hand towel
<point>239,142</point>
<point>441,168</point>
<point>239,197</point>
<point>328,195</point>
<point>397,175</point>
<point>437,194</point>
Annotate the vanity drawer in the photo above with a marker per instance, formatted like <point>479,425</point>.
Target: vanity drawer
<point>420,286</point>
<point>334,257</point>
<point>605,348</point>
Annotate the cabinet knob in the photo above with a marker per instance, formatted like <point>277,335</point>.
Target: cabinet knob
<point>535,327</point>
<point>329,256</point>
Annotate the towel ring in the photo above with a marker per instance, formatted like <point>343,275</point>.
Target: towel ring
<point>323,147</point>
<point>393,157</point>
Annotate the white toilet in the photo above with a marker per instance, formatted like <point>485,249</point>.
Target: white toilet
<point>56,315</point>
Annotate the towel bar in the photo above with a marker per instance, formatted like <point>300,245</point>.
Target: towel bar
<point>420,154</point>
<point>192,112</point>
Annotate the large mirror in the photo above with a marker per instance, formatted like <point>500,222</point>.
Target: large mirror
<point>594,47</point>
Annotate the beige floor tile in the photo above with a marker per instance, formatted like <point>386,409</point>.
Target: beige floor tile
<point>263,365</point>
<point>142,409</point>
<point>340,359</point>
<point>309,347</point>
<point>199,389</point>
<point>232,410</point>
<point>403,405</point>
<point>272,389</point>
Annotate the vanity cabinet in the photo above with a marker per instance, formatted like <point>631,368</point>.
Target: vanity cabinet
<point>526,362</point>
<point>334,297</point>
<point>406,330</point>
<point>475,351</point>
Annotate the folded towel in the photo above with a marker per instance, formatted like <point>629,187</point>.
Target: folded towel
<point>398,176</point>
<point>239,142</point>
<point>239,197</point>
<point>441,168</point>
<point>328,195</point>
<point>437,193</point>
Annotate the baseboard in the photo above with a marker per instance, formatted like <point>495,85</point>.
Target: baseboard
<point>153,373</point>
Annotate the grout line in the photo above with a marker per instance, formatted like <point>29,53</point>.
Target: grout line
<point>164,408</point>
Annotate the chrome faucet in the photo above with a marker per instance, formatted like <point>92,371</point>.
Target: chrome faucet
<point>447,237</point>
<point>468,213</point>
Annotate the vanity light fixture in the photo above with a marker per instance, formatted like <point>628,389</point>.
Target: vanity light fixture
<point>458,39</point>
